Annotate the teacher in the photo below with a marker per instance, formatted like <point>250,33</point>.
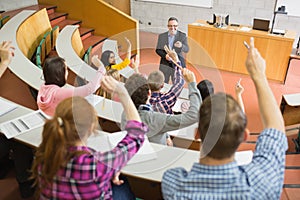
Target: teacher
<point>176,40</point>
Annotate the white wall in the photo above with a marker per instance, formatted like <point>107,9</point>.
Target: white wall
<point>240,11</point>
<point>14,4</point>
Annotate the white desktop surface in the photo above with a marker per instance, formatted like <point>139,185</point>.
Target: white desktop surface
<point>21,65</point>
<point>168,157</point>
<point>292,99</point>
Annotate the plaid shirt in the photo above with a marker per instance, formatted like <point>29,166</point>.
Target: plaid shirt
<point>261,179</point>
<point>164,102</point>
<point>89,175</point>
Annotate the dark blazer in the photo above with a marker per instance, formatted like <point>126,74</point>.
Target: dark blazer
<point>163,40</point>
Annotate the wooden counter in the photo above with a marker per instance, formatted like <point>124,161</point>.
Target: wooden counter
<point>224,46</point>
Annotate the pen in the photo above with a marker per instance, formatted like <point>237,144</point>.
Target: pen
<point>246,45</point>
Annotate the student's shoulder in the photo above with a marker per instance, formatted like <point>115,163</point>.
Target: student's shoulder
<point>174,173</point>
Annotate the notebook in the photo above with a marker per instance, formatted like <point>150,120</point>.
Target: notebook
<point>261,24</point>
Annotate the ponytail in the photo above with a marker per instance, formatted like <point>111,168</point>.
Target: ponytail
<point>74,119</point>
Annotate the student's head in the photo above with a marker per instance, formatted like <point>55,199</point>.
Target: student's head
<point>55,71</point>
<point>173,25</point>
<point>138,89</point>
<point>73,122</point>
<point>156,80</point>
<point>222,126</point>
<point>206,88</point>
<point>114,73</point>
<point>108,58</point>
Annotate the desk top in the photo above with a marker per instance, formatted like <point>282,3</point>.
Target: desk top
<point>292,99</point>
<point>20,64</point>
<point>289,35</point>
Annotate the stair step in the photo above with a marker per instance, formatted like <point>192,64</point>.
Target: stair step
<point>85,32</point>
<point>56,17</point>
<point>93,40</point>
<point>50,9</point>
<point>66,22</point>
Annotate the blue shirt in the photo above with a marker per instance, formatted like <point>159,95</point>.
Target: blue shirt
<point>261,179</point>
<point>171,39</point>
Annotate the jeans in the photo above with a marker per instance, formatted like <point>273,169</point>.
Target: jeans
<point>122,192</point>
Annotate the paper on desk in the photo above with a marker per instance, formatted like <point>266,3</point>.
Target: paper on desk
<point>243,157</point>
<point>177,106</point>
<point>6,107</point>
<point>105,142</point>
<point>246,29</point>
<point>23,124</point>
<point>93,99</point>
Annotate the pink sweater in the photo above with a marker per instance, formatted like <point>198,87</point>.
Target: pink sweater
<point>50,96</point>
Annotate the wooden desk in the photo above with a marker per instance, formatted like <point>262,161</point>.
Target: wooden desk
<point>225,47</point>
<point>290,108</point>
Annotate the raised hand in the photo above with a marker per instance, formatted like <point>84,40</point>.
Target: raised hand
<point>255,64</point>
<point>171,53</point>
<point>6,52</point>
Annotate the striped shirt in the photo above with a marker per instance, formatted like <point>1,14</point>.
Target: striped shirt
<point>261,179</point>
<point>164,102</point>
<point>88,176</point>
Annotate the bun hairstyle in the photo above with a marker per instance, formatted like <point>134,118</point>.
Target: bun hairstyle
<point>74,121</point>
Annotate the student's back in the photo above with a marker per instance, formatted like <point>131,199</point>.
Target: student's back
<point>52,92</point>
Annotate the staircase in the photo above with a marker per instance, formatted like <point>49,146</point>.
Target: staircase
<point>61,19</point>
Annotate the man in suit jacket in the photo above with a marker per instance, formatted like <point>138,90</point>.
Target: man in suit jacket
<point>176,40</point>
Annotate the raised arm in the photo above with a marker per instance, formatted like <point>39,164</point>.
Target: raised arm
<point>269,110</point>
<point>128,56</point>
<point>238,92</point>
<point>111,85</point>
<point>6,54</point>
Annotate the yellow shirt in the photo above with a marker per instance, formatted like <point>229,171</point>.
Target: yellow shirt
<point>119,66</point>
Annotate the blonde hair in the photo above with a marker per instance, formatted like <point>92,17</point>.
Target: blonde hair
<point>156,80</point>
<point>116,75</point>
<point>74,119</point>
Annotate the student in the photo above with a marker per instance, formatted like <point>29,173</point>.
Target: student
<point>160,123</point>
<point>108,58</point>
<point>222,126</point>
<point>6,55</point>
<point>52,92</point>
<point>176,40</point>
<point>206,88</point>
<point>164,102</point>
<point>65,168</point>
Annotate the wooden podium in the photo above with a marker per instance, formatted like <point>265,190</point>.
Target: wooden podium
<point>224,47</point>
